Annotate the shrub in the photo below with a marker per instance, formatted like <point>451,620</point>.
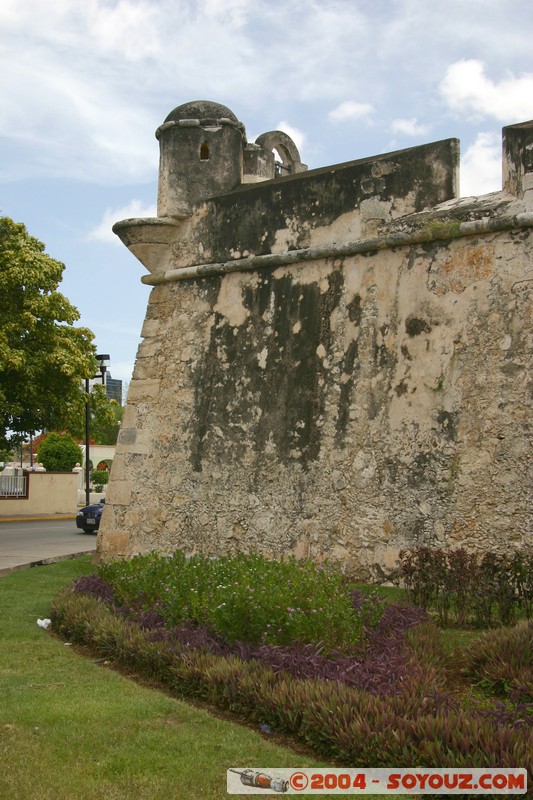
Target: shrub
<point>522,570</point>
<point>99,478</point>
<point>59,453</point>
<point>460,586</point>
<point>379,664</point>
<point>246,598</point>
<point>501,661</point>
<point>94,585</point>
<point>422,573</point>
<point>494,578</point>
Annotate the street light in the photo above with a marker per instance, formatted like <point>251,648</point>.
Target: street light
<point>102,358</point>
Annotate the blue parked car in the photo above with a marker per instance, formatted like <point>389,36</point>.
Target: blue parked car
<point>88,518</point>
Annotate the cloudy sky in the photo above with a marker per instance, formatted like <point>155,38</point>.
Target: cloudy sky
<point>85,83</point>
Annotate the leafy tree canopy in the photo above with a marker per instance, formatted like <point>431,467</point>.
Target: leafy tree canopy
<point>99,478</point>
<point>105,424</point>
<point>105,416</point>
<point>59,453</point>
<point>43,357</point>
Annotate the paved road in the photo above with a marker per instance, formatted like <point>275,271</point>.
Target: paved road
<point>25,542</point>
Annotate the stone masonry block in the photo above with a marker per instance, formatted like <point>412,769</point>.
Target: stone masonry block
<point>143,390</point>
<point>119,493</point>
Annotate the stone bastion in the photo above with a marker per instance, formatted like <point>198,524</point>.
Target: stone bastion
<point>335,363</point>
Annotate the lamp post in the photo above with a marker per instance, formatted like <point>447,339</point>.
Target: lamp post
<point>101,358</point>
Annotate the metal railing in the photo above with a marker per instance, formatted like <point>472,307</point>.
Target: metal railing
<point>13,486</point>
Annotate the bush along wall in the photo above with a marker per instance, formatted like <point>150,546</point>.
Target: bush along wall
<point>345,714</point>
<point>462,587</point>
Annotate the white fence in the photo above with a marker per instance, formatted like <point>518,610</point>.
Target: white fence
<point>13,485</point>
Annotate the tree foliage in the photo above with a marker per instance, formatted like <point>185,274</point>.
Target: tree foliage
<point>59,453</point>
<point>105,416</point>
<point>105,425</point>
<point>99,478</point>
<point>43,357</point>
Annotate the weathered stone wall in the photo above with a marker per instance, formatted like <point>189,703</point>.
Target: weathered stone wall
<point>338,373</point>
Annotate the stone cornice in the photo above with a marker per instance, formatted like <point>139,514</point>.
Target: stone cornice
<point>432,230</point>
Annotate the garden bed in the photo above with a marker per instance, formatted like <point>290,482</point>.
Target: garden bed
<point>300,651</point>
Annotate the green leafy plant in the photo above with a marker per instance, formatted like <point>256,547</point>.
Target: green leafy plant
<point>43,356</point>
<point>246,597</point>
<point>463,587</point>
<point>501,661</point>
<point>59,453</point>
<point>99,478</point>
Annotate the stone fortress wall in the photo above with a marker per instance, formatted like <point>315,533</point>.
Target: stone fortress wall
<point>336,363</point>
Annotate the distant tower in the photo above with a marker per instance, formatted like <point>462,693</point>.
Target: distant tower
<point>201,155</point>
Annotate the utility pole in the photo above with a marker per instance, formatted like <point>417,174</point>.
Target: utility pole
<point>102,358</point>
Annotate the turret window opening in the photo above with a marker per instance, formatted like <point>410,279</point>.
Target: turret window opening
<point>204,151</point>
<point>281,163</point>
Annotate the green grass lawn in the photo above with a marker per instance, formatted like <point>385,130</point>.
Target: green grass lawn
<point>72,729</point>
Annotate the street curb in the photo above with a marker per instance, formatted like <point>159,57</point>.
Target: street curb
<point>43,562</point>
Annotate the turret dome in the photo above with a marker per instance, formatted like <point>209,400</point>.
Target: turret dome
<point>201,110</point>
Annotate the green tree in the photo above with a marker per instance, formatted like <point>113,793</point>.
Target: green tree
<point>6,453</point>
<point>106,425</point>
<point>59,453</point>
<point>105,416</point>
<point>99,478</point>
<point>43,357</point>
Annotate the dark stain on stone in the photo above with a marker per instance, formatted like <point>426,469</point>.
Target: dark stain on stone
<point>355,312</point>
<point>291,401</point>
<point>418,536</point>
<point>448,421</point>
<point>392,470</point>
<point>376,401</point>
<point>230,385</point>
<point>206,378</point>
<point>405,352</point>
<point>512,369</point>
<point>413,255</point>
<point>401,388</point>
<point>415,326</point>
<point>350,366</point>
<point>383,357</point>
<point>422,470</point>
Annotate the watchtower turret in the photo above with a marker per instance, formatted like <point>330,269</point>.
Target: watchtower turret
<point>201,155</point>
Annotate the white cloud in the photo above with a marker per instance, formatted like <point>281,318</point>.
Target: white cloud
<point>410,127</point>
<point>93,79</point>
<point>466,87</point>
<point>350,110</point>
<point>103,231</point>
<point>126,28</point>
<point>481,166</point>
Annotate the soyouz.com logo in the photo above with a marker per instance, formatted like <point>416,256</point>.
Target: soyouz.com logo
<point>418,780</point>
